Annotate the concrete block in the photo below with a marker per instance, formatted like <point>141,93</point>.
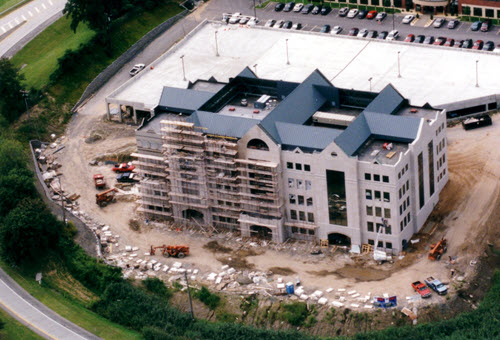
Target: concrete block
<point>351,292</point>
<point>329,290</point>
<point>341,289</point>
<point>153,262</point>
<point>318,293</point>
<point>337,304</point>
<point>231,271</point>
<point>177,265</point>
<point>193,278</point>
<point>128,248</point>
<point>224,267</point>
<point>386,295</point>
<point>354,305</point>
<point>195,271</point>
<point>218,280</point>
<point>303,297</point>
<point>368,306</point>
<point>280,286</point>
<point>355,295</point>
<point>322,301</point>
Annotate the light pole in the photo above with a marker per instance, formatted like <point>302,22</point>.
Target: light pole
<point>183,69</point>
<point>477,76</point>
<point>254,10</point>
<point>189,295</point>
<point>287,60</point>
<point>216,45</point>
<point>62,200</point>
<point>399,66</point>
<point>255,67</point>
<point>370,80</point>
<point>392,14</point>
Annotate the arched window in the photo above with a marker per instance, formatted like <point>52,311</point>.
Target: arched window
<point>257,144</point>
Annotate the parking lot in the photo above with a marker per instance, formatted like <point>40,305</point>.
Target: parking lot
<point>421,26</point>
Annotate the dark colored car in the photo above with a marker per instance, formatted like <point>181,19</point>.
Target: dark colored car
<point>325,10</point>
<point>372,34</point>
<point>383,35</point>
<point>489,46</point>
<point>476,26</point>
<point>429,40</point>
<point>459,43</point>
<point>288,24</point>
<point>289,6</point>
<point>440,41</point>
<point>279,7</point>
<point>316,10</point>
<point>419,39</point>
<point>485,27</point>
<point>467,43</point>
<point>410,38</point>
<point>478,45</point>
<point>307,9</point>
<point>343,11</point>
<point>362,14</point>
<point>453,23</point>
<point>127,177</point>
<point>353,32</point>
<point>450,42</point>
<point>325,29</point>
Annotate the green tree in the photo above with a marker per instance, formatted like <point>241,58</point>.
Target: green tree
<point>15,186</point>
<point>12,156</point>
<point>11,85</point>
<point>28,233</point>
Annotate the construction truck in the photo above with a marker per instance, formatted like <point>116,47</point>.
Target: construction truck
<point>168,251</point>
<point>102,199</point>
<point>436,285</point>
<point>99,181</point>
<point>437,250</point>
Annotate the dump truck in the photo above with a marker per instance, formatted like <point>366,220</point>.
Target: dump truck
<point>174,251</point>
<point>99,181</point>
<point>421,289</point>
<point>437,250</point>
<point>436,285</point>
<point>102,199</point>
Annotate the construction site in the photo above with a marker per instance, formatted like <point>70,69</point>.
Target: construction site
<point>220,195</point>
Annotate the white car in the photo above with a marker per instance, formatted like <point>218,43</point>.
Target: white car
<point>279,24</point>
<point>235,18</point>
<point>362,33</point>
<point>408,19</point>
<point>244,20</point>
<point>336,30</point>
<point>253,22</point>
<point>136,69</point>
<point>298,7</point>
<point>352,13</point>
<point>393,35</point>
<point>270,23</point>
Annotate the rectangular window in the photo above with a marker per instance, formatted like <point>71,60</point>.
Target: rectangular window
<point>409,217</point>
<point>388,245</point>
<point>402,226</point>
<point>298,166</point>
<point>292,199</point>
<point>303,230</point>
<point>379,226</point>
<point>399,175</point>
<point>295,230</point>
<point>368,177</point>
<point>302,215</point>
<point>308,185</point>
<point>387,213</point>
<point>400,193</point>
<point>293,214</point>
<point>368,194</point>
<point>376,178</point>
<point>377,195</point>
<point>369,210</point>
<point>388,230</point>
<point>310,217</point>
<point>309,201</point>
<point>380,243</point>
<point>421,192</point>
<point>430,150</point>
<point>408,201</point>
<point>378,211</point>
<point>406,167</point>
<point>371,242</point>
<point>337,207</point>
<point>408,185</point>
<point>375,2</point>
<point>289,165</point>
<point>370,226</point>
<point>310,232</point>
<point>307,167</point>
<point>387,197</point>
<point>385,179</point>
<point>401,210</point>
<point>290,182</point>
<point>404,205</point>
<point>300,184</point>
<point>301,200</point>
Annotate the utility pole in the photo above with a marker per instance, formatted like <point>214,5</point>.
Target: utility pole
<point>189,295</point>
<point>183,69</point>
<point>216,45</point>
<point>477,75</point>
<point>254,10</point>
<point>62,200</point>
<point>287,60</point>
<point>392,14</point>
<point>255,67</point>
<point>370,80</point>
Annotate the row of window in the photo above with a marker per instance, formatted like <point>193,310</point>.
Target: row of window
<point>299,184</point>
<point>303,231</point>
<point>298,166</point>
<point>406,204</point>
<point>405,221</point>
<point>441,161</point>
<point>301,216</point>
<point>388,245</point>
<point>442,174</point>
<point>225,219</point>
<point>388,229</point>
<point>440,146</point>
<point>440,128</point>
<point>378,195</point>
<point>404,189</point>
<point>478,12</point>
<point>378,211</point>
<point>299,199</point>
<point>403,171</point>
<point>376,177</point>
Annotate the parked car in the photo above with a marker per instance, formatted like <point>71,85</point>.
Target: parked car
<point>253,22</point>
<point>429,40</point>
<point>244,20</point>
<point>383,35</point>
<point>419,39</point>
<point>438,22</point>
<point>421,289</point>
<point>362,33</point>
<point>393,35</point>
<point>123,167</point>
<point>408,19</point>
<point>440,41</point>
<point>325,10</point>
<point>459,43</point>
<point>489,46</point>
<point>372,34</point>
<point>478,45</point>
<point>381,16</point>
<point>136,69</point>
<point>343,11</point>
<point>476,26</point>
<point>270,23</point>
<point>325,29</point>
<point>279,7</point>
<point>226,17</point>
<point>449,42</point>
<point>127,177</point>
<point>279,23</point>
<point>410,38</point>
<point>467,43</point>
<point>297,26</point>
<point>289,6</point>
<point>436,285</point>
<point>235,18</point>
<point>485,26</point>
<point>352,13</point>
<point>353,32</point>
<point>453,23</point>
<point>298,8</point>
<point>287,25</point>
<point>371,14</point>
<point>307,9</point>
<point>336,30</point>
<point>362,14</point>
<point>316,9</point>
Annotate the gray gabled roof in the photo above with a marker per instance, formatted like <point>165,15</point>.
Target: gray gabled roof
<point>311,137</point>
<point>183,100</point>
<point>221,125</point>
<point>352,138</point>
<point>388,101</point>
<point>247,73</point>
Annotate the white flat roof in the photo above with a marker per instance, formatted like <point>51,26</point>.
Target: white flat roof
<point>429,74</point>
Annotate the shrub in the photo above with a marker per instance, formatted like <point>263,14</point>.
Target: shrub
<point>157,286</point>
<point>211,300</point>
<point>295,313</point>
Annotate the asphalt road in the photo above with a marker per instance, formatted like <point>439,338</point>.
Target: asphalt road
<point>315,22</point>
<point>22,25</point>
<point>32,313</point>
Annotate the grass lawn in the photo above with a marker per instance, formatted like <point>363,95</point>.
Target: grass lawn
<point>41,54</point>
<point>6,4</point>
<point>69,305</point>
<point>13,329</point>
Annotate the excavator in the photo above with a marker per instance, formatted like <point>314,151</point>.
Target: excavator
<point>102,199</point>
<point>437,250</point>
<point>174,251</point>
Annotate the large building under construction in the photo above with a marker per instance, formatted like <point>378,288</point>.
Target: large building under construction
<point>283,160</point>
